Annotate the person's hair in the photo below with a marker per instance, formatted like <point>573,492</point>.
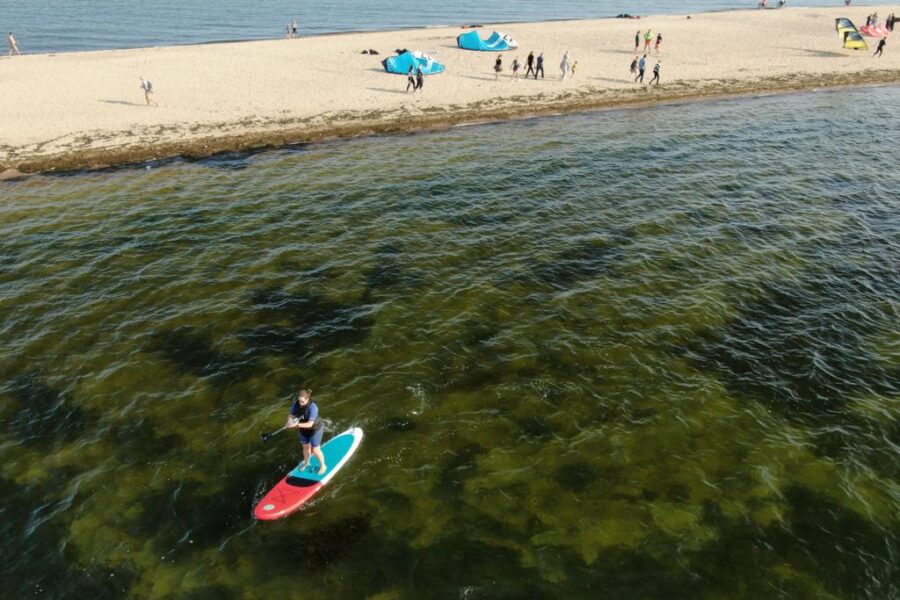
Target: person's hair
<point>305,392</point>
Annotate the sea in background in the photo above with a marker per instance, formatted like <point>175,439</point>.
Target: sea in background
<point>66,25</point>
<point>642,353</point>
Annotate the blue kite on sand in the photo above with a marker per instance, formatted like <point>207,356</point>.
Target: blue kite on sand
<point>401,63</point>
<point>498,42</point>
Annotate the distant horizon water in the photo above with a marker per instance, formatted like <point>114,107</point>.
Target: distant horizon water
<point>65,25</point>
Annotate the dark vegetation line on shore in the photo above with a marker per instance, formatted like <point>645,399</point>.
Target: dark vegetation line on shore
<point>362,125</point>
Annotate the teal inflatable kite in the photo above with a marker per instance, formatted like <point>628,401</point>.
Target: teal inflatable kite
<point>401,63</point>
<point>498,42</point>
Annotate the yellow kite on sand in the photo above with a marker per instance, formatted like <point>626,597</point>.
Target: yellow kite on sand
<point>853,40</point>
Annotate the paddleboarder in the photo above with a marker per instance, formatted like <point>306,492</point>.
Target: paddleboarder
<point>305,417</point>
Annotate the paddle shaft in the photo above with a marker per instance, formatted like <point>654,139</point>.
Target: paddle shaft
<point>265,437</point>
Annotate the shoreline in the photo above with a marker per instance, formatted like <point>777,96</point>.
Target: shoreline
<point>249,100</point>
<point>257,142</point>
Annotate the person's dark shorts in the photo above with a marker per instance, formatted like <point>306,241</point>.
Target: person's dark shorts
<point>314,438</point>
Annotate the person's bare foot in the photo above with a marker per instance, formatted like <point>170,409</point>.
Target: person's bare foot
<point>322,469</point>
<point>302,466</point>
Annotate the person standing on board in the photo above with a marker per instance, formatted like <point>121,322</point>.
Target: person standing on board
<point>148,89</point>
<point>305,417</point>
<point>13,45</point>
<point>540,66</point>
<point>880,48</point>
<point>529,62</point>
<point>420,78</point>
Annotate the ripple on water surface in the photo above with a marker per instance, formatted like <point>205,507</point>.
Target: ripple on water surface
<point>653,352</point>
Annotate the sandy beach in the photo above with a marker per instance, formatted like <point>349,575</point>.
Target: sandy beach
<point>86,110</point>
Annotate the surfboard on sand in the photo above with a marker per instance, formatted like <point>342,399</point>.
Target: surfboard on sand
<point>292,492</point>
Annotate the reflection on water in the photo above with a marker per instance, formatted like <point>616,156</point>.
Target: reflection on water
<point>650,352</point>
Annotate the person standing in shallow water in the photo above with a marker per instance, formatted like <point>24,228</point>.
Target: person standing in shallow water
<point>305,417</point>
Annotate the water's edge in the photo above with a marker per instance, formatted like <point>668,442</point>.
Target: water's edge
<point>363,124</point>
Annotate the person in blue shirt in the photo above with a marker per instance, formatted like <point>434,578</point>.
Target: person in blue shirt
<point>305,417</point>
<point>642,66</point>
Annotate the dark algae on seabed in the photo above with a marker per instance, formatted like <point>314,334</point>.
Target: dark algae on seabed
<point>641,354</point>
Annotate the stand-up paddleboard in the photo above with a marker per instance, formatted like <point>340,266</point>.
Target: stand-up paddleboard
<point>302,484</point>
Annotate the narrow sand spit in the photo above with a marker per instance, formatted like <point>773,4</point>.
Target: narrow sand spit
<point>85,109</point>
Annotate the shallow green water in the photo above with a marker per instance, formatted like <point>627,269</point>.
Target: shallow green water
<point>642,354</point>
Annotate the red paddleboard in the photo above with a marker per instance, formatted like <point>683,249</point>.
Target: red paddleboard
<point>292,492</point>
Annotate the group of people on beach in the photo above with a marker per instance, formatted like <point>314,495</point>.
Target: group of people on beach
<point>639,67</point>
<point>535,66</point>
<point>872,21</point>
<point>648,39</point>
<point>415,79</point>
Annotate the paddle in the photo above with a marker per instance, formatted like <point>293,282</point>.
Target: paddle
<point>265,436</point>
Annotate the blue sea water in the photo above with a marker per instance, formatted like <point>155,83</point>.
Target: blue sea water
<point>67,25</point>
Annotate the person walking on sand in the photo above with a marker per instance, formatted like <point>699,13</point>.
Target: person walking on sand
<point>13,45</point>
<point>637,40</point>
<point>648,37</point>
<point>574,64</point>
<point>634,65</point>
<point>529,62</point>
<point>642,65</point>
<point>539,66</point>
<point>655,74</point>
<point>148,90</point>
<point>658,43</point>
<point>564,66</point>
<point>420,78</point>
<point>304,416</point>
<point>515,68</point>
<point>880,48</point>
<point>498,67</point>
<point>411,80</point>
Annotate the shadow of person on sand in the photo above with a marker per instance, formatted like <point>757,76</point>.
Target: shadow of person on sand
<point>392,91</point>
<point>122,102</point>
<point>616,52</point>
<point>817,53</point>
<point>611,80</point>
